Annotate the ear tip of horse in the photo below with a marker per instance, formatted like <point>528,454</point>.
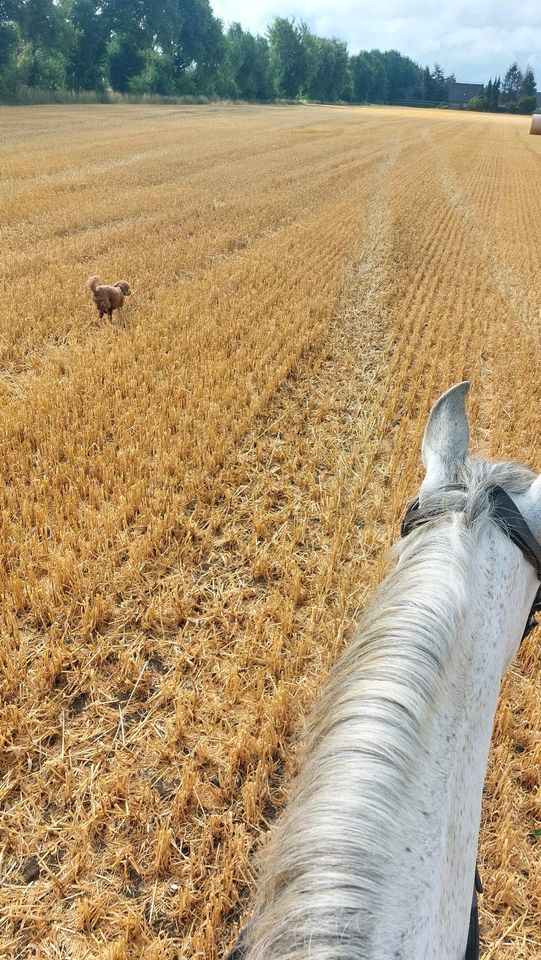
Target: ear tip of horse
<point>461,389</point>
<point>452,402</point>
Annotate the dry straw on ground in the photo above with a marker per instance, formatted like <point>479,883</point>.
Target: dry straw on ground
<point>198,498</point>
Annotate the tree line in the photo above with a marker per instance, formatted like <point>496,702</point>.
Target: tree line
<point>516,94</point>
<point>178,48</point>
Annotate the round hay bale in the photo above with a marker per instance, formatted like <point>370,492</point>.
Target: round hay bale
<point>536,123</point>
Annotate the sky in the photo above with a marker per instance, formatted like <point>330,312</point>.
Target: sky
<point>473,40</point>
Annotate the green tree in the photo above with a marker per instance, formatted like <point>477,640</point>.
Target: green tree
<point>248,64</point>
<point>512,84</point>
<point>157,75</point>
<point>448,81</point>
<point>87,63</point>
<point>402,75</point>
<point>368,76</point>
<point>328,75</point>
<point>287,57</point>
<point>340,87</point>
<point>174,46</point>
<point>194,37</point>
<point>9,43</point>
<point>494,99</point>
<point>310,47</point>
<point>130,32</point>
<point>528,86</point>
<point>439,83</point>
<point>380,84</point>
<point>48,37</point>
<point>126,60</point>
<point>527,104</point>
<point>427,86</point>
<point>362,77</point>
<point>489,97</point>
<point>479,102</point>
<point>265,86</point>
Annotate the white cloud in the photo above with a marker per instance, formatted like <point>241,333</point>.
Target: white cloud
<point>474,41</point>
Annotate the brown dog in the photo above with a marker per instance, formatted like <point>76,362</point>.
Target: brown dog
<point>108,298</point>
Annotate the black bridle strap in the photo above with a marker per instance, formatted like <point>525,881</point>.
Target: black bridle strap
<point>414,516</point>
<point>511,522</point>
<point>508,518</point>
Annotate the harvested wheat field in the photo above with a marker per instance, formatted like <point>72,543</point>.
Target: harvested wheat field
<point>199,496</point>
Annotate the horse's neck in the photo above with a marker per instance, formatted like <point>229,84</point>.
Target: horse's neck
<point>439,847</point>
<point>374,857</point>
<point>440,841</point>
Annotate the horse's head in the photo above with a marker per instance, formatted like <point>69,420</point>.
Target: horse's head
<point>506,493</point>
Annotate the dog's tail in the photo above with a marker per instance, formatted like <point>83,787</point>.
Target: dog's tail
<point>92,283</point>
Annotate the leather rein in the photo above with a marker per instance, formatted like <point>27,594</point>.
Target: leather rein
<point>508,518</point>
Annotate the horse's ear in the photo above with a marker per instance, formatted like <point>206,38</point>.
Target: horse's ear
<point>534,505</point>
<point>535,489</point>
<point>445,443</point>
<point>529,504</point>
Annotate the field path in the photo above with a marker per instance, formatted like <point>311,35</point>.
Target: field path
<point>199,498</point>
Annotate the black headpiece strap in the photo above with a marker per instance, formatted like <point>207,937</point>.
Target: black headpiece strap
<point>509,519</point>
<point>414,516</point>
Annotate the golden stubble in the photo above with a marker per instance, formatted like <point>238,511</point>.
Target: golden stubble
<point>198,498</point>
